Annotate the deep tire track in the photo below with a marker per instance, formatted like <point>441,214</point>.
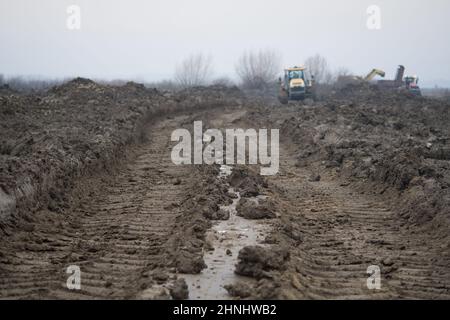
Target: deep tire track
<point>115,236</point>
<point>344,232</point>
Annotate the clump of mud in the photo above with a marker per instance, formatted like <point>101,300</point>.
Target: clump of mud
<point>179,290</point>
<point>256,208</point>
<point>240,289</point>
<point>264,289</point>
<point>258,262</point>
<point>247,182</point>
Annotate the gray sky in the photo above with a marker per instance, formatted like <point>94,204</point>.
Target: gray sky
<point>143,40</point>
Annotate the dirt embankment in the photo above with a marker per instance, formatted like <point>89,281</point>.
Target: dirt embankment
<point>363,180</point>
<point>48,140</point>
<point>131,219</point>
<point>386,143</point>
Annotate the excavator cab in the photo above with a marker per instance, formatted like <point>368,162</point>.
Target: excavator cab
<point>296,85</point>
<point>295,74</point>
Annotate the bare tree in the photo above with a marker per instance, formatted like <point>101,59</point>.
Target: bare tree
<point>2,79</point>
<point>195,70</point>
<point>259,69</point>
<point>318,67</point>
<point>329,77</point>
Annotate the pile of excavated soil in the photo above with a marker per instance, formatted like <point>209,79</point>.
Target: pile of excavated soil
<point>363,181</point>
<point>49,139</point>
<point>123,212</point>
<point>390,143</point>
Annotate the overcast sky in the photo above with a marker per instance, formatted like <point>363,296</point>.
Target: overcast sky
<point>145,39</point>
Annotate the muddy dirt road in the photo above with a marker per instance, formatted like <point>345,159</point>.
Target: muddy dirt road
<point>315,237</point>
<point>117,232</point>
<point>344,232</point>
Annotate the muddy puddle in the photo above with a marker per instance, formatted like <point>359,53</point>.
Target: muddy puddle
<point>227,238</point>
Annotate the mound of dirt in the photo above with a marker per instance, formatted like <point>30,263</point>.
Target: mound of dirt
<point>48,140</point>
<point>386,142</point>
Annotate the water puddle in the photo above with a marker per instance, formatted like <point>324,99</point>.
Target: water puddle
<point>227,237</point>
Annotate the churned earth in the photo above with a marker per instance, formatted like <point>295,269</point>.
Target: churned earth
<point>363,183</point>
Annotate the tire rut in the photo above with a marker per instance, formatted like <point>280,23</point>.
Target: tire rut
<point>345,232</point>
<point>114,236</point>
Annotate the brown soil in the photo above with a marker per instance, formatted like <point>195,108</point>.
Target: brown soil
<point>87,180</point>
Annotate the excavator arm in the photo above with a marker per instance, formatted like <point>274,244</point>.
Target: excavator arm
<point>373,73</point>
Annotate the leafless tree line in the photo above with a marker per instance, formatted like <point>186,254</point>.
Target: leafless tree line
<point>195,70</point>
<point>254,69</point>
<point>323,73</point>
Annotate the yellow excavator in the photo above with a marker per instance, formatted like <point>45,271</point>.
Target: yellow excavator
<point>296,85</point>
<point>400,82</point>
<point>373,73</point>
<point>343,81</point>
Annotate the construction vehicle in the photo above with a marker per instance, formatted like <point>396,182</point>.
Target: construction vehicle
<point>297,85</point>
<point>409,83</point>
<point>343,81</point>
<point>393,84</point>
<point>374,73</point>
<point>412,85</point>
